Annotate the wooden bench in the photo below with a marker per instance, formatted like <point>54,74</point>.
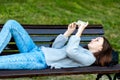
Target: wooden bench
<point>44,35</point>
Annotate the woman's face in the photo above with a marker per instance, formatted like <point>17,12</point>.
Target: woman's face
<point>96,44</point>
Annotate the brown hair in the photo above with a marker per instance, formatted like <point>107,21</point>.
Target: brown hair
<point>104,57</point>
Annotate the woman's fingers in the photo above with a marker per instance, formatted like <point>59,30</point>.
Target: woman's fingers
<point>86,24</point>
<point>72,25</point>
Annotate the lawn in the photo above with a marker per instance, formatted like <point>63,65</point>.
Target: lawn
<point>105,12</point>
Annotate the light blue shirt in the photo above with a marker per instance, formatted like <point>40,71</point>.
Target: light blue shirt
<point>63,55</point>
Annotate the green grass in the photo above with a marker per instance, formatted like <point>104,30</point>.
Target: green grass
<point>105,12</point>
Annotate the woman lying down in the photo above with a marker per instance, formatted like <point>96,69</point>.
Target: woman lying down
<point>57,56</point>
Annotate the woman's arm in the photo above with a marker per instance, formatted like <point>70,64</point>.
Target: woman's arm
<point>74,41</point>
<point>76,52</point>
<point>70,30</point>
<point>62,39</point>
<point>80,29</point>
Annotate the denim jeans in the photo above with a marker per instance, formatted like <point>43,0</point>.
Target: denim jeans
<point>30,56</point>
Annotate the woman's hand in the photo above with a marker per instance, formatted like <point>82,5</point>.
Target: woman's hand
<point>81,27</point>
<point>71,28</point>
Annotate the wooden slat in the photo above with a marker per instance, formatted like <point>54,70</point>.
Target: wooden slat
<point>54,26</point>
<point>50,38</point>
<point>10,49</point>
<point>57,29</point>
<point>65,71</point>
<point>61,31</point>
<point>58,26</point>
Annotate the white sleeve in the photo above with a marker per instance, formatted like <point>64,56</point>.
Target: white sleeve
<point>78,53</point>
<point>59,41</point>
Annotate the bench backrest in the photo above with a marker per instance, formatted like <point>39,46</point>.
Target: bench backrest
<point>45,34</point>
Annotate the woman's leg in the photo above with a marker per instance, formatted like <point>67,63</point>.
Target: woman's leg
<point>32,60</point>
<point>21,37</point>
<point>31,56</point>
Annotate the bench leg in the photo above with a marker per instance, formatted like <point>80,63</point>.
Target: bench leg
<point>100,75</point>
<point>116,76</point>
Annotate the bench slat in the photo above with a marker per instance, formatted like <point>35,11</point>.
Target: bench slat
<point>51,38</point>
<point>9,50</point>
<point>54,26</point>
<point>65,71</point>
<point>60,31</point>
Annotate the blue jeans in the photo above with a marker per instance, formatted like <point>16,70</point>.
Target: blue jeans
<point>30,56</point>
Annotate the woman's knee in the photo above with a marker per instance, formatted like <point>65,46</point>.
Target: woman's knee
<point>11,21</point>
<point>12,24</point>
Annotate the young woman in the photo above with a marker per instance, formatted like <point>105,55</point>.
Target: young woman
<point>58,56</point>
